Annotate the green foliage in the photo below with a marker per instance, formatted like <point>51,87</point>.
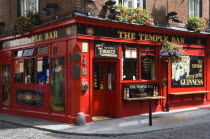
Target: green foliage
<point>131,15</point>
<point>196,24</point>
<point>172,52</point>
<point>24,23</point>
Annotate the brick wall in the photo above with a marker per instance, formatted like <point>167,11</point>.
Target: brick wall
<point>158,8</point>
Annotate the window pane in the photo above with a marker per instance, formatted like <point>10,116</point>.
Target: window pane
<point>110,77</point>
<point>98,77</point>
<point>148,63</point>
<point>29,68</point>
<point>28,52</point>
<point>18,71</point>
<point>18,53</point>
<point>42,50</point>
<point>43,70</point>
<point>130,70</point>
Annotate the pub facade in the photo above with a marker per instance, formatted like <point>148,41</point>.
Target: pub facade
<point>100,67</point>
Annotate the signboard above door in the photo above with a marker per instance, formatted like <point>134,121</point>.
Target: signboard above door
<point>106,49</point>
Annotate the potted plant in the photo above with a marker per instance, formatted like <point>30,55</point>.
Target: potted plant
<point>131,15</point>
<point>196,24</point>
<point>171,52</point>
<point>24,23</point>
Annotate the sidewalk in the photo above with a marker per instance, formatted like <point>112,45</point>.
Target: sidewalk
<point>122,126</point>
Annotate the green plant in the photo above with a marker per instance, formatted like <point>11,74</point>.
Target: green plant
<point>172,52</point>
<point>24,23</point>
<point>131,15</point>
<point>196,24</point>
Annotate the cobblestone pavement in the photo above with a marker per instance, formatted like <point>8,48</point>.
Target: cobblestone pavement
<point>198,131</point>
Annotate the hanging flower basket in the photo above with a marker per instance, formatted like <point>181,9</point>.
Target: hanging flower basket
<point>196,24</point>
<point>171,52</point>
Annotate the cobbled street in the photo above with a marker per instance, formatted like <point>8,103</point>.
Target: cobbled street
<point>198,131</point>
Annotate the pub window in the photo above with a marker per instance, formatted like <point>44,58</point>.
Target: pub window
<point>139,63</point>
<point>43,70</point>
<point>29,70</point>
<point>148,63</point>
<point>130,70</point>
<point>18,71</point>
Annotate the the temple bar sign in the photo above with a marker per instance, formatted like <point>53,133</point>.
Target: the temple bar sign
<point>149,37</point>
<point>106,49</point>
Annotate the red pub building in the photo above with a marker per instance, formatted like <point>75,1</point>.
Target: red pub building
<point>100,67</point>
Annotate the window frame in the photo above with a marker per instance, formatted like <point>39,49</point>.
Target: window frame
<point>196,9</point>
<point>24,5</point>
<point>34,55</point>
<point>139,61</point>
<point>134,3</point>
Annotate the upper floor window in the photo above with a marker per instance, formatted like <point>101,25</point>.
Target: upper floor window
<point>195,8</point>
<point>133,3</point>
<point>28,5</point>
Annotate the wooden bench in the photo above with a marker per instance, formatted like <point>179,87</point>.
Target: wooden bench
<point>188,93</point>
<point>145,98</point>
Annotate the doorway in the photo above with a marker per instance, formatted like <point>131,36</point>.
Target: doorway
<point>104,89</point>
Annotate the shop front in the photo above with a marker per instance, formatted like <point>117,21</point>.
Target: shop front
<point>99,67</point>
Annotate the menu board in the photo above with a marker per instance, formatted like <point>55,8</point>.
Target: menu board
<point>147,62</point>
<point>139,90</point>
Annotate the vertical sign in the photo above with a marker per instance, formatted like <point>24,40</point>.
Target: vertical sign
<point>57,84</point>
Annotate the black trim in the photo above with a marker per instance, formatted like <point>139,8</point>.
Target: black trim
<point>144,4</point>
<point>18,8</point>
<point>200,8</point>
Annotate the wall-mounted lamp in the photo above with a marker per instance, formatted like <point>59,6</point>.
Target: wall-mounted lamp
<point>113,11</point>
<point>47,10</point>
<point>173,16</point>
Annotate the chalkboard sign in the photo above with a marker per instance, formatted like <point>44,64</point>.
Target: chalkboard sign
<point>147,62</point>
<point>139,90</point>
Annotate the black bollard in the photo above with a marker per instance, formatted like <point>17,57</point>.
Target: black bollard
<point>150,112</point>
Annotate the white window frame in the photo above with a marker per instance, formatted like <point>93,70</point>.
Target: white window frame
<point>134,3</point>
<point>194,8</point>
<point>29,5</point>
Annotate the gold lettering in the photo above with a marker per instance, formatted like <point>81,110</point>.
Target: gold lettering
<point>141,36</point>
<point>173,40</point>
<point>146,37</point>
<point>126,35</point>
<point>133,36</point>
<point>46,36</point>
<point>182,40</point>
<point>119,32</point>
<point>152,37</point>
<point>165,38</point>
<point>55,34</point>
<point>40,37</point>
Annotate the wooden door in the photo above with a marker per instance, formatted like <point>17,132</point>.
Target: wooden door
<point>103,89</point>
